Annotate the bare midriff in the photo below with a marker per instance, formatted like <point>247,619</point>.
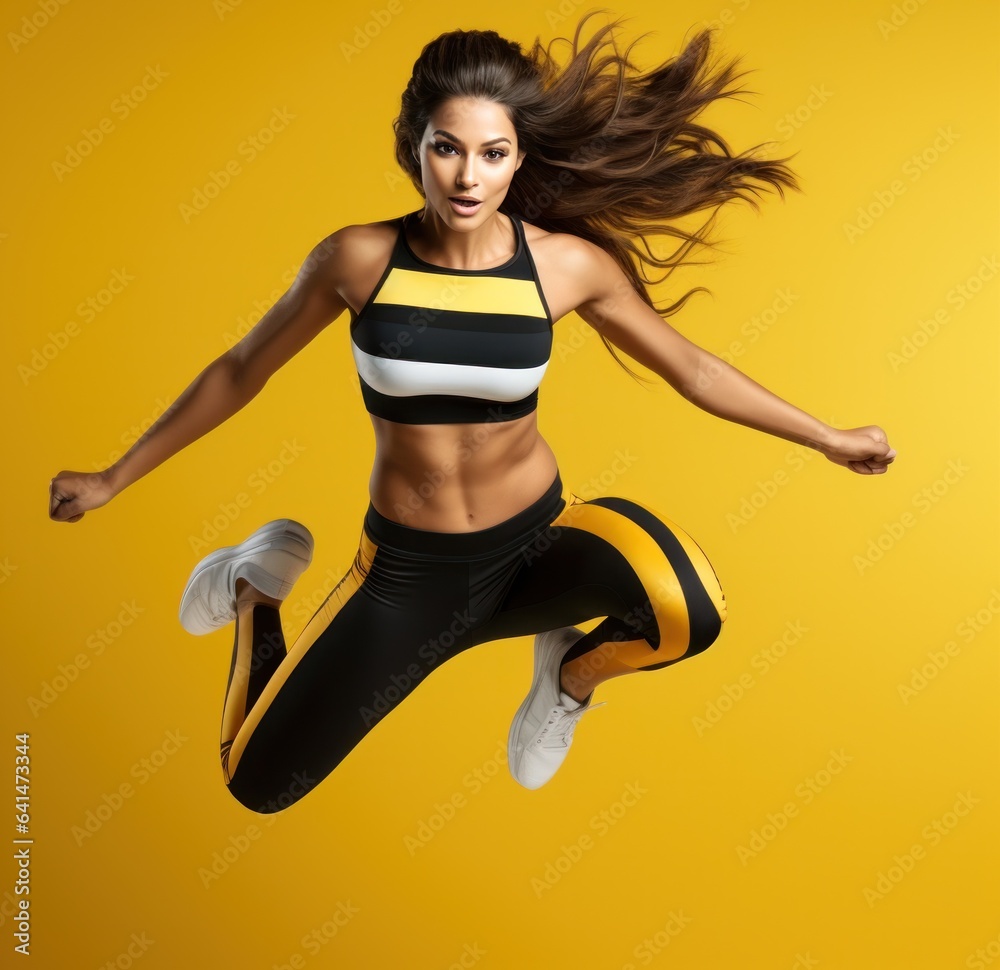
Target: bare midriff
<point>458,477</point>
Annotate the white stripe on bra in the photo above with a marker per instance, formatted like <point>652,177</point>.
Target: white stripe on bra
<point>405,378</point>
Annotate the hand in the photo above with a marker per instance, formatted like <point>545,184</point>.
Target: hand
<point>73,493</point>
<point>863,450</point>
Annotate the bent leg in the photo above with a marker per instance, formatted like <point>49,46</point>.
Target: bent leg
<point>290,719</point>
<point>617,558</point>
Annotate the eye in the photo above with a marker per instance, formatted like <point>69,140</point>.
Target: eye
<point>497,153</point>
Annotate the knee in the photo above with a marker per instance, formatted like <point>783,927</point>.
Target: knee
<point>264,796</point>
<point>706,616</point>
<point>703,615</point>
<point>705,631</point>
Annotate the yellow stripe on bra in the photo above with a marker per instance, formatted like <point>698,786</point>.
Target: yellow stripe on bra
<point>465,294</point>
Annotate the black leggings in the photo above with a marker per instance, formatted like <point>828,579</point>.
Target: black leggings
<point>414,598</point>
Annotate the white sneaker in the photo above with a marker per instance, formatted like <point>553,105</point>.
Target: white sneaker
<point>542,729</point>
<point>271,559</point>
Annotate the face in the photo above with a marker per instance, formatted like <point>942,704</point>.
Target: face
<point>469,148</point>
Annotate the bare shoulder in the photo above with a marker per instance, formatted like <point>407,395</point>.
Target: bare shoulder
<point>572,270</point>
<point>352,249</point>
<point>349,261</point>
<point>570,253</point>
<point>563,247</point>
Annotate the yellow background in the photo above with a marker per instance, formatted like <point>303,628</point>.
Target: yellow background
<point>871,95</point>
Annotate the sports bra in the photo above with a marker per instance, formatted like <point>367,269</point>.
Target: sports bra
<point>435,345</point>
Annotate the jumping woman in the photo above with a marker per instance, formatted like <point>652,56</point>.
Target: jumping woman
<point>537,181</point>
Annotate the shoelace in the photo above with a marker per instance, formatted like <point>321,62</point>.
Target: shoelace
<point>557,731</point>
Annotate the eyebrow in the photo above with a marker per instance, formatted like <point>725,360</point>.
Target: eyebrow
<point>448,134</point>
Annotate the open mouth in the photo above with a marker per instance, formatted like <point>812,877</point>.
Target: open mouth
<point>470,206</point>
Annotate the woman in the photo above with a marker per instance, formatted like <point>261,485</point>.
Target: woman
<point>535,183</point>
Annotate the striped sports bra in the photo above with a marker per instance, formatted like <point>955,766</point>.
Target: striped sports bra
<point>435,345</point>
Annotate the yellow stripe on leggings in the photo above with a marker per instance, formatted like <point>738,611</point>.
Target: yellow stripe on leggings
<point>320,620</point>
<point>239,683</point>
<point>650,565</point>
<point>702,564</point>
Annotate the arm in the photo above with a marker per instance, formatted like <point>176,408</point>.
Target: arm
<point>224,387</point>
<point>611,305</point>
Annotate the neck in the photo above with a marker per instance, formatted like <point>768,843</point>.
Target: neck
<point>490,244</point>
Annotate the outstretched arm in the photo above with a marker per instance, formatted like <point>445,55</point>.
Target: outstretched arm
<point>612,306</point>
<point>222,388</point>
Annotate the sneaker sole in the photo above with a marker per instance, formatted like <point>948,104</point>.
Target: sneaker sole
<point>263,539</point>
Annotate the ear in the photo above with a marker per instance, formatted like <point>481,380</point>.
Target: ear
<point>520,158</point>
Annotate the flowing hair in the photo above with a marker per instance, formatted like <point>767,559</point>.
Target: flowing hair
<point>613,155</point>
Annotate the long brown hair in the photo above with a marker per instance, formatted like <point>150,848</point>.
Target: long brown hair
<point>613,155</point>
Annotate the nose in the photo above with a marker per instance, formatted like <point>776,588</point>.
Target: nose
<point>467,172</point>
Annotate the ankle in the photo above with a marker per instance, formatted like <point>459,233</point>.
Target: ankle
<point>248,596</point>
<point>571,686</point>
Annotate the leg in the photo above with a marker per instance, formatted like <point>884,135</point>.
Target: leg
<point>291,718</point>
<point>606,652</point>
<point>257,653</point>
<point>659,595</point>
<point>412,599</point>
<point>616,558</point>
<point>684,598</point>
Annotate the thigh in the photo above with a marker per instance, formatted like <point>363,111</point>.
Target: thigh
<point>616,557</point>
